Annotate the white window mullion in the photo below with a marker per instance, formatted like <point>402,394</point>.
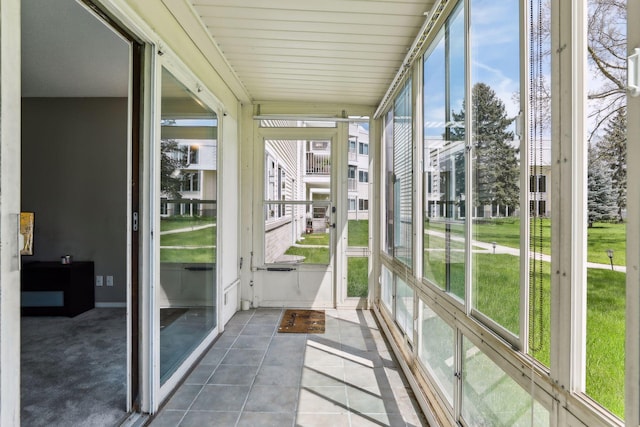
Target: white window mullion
<point>568,241</point>
<point>632,350</point>
<point>525,147</point>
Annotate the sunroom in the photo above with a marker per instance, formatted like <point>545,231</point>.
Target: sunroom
<point>457,168</point>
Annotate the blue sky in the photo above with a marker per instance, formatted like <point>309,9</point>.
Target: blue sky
<point>495,57</point>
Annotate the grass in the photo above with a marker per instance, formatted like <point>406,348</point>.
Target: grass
<point>600,237</point>
<point>311,255</point>
<point>357,278</point>
<point>605,338</point>
<point>204,237</point>
<point>187,240</point>
<point>358,232</point>
<point>196,256</point>
<point>314,239</point>
<point>498,275</point>
<point>176,222</point>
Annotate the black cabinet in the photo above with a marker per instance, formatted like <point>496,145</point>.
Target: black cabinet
<point>55,289</point>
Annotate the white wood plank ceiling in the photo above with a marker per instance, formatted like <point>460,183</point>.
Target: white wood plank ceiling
<point>337,51</point>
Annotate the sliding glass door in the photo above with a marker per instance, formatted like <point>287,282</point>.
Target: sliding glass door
<point>186,292</point>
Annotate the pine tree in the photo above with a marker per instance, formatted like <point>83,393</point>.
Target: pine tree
<point>601,204</point>
<point>612,150</point>
<point>495,166</point>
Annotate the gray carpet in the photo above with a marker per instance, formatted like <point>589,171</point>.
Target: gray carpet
<point>74,369</point>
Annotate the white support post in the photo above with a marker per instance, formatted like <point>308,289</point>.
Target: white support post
<point>9,212</point>
<point>632,349</point>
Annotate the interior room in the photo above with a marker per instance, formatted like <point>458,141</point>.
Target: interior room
<point>75,85</point>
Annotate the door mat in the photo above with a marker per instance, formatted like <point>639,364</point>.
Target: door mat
<point>302,322</point>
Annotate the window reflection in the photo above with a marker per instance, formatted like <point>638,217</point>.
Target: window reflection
<point>495,160</point>
<point>444,159</point>
<point>188,210</point>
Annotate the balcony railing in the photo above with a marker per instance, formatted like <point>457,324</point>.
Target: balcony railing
<point>352,184</point>
<point>318,164</point>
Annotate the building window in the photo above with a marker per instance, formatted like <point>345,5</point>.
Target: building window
<point>352,172</point>
<point>193,154</point>
<point>363,176</point>
<point>538,183</point>
<point>363,204</point>
<point>190,182</point>
<point>352,145</point>
<point>363,149</point>
<point>352,204</point>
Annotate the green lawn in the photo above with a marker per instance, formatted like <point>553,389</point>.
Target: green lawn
<point>176,222</point>
<point>357,279</point>
<point>314,239</point>
<point>204,237</point>
<point>311,255</point>
<point>600,237</point>
<point>498,275</point>
<point>187,240</point>
<point>358,232</point>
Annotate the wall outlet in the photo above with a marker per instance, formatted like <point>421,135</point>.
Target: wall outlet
<point>109,280</point>
<point>98,280</point>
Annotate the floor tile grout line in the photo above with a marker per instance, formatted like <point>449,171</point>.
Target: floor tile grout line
<point>302,357</point>
<point>214,370</point>
<point>253,382</point>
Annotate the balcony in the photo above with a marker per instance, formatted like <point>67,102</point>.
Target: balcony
<point>318,164</point>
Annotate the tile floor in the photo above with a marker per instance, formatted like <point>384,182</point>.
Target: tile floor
<point>255,376</point>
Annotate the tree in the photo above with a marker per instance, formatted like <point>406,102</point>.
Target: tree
<point>612,151</point>
<point>607,48</point>
<point>601,205</point>
<point>496,169</point>
<point>171,163</point>
<point>606,55</point>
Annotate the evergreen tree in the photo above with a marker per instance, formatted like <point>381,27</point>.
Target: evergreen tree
<point>495,162</point>
<point>612,150</point>
<point>601,204</point>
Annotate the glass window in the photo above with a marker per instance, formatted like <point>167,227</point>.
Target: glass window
<point>606,185</point>
<point>352,204</point>
<point>186,289</point>
<point>444,197</point>
<point>351,173</point>
<point>495,160</point>
<point>386,291</point>
<point>363,204</point>
<point>403,177</point>
<point>297,232</point>
<point>364,149</point>
<point>363,176</point>
<point>539,154</point>
<point>490,397</point>
<point>388,213</point>
<point>404,307</point>
<point>193,154</point>
<point>436,349</point>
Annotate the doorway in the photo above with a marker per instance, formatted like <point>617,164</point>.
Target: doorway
<point>295,266</point>
<point>79,159</point>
